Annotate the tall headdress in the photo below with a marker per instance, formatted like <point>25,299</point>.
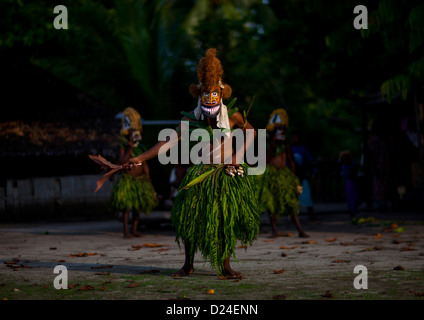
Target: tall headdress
<point>211,90</point>
<point>131,120</point>
<point>278,116</point>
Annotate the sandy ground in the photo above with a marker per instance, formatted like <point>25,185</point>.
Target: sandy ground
<point>390,246</point>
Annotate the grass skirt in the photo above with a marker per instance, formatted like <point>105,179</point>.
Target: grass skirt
<point>133,193</point>
<point>215,212</point>
<point>277,193</point>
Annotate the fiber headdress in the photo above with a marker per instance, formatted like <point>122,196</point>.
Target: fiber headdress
<point>209,73</point>
<point>130,120</point>
<point>278,116</point>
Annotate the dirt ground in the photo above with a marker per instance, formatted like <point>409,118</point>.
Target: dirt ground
<point>101,264</point>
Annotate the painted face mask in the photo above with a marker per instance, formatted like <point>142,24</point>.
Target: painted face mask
<point>280,133</point>
<point>211,102</point>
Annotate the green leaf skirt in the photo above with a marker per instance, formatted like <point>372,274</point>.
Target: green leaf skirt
<point>277,192</point>
<point>133,193</point>
<point>213,210</point>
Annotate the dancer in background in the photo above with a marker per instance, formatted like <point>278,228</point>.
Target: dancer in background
<point>279,187</point>
<point>133,191</point>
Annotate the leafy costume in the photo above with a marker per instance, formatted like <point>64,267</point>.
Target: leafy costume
<point>132,192</point>
<point>277,186</point>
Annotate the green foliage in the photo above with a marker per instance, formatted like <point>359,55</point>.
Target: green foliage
<point>304,56</point>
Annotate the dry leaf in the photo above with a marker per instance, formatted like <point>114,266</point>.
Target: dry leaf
<point>331,240</point>
<point>269,240</point>
<point>399,268</point>
<point>328,294</point>
<point>86,287</point>
<point>309,242</point>
<point>82,254</point>
<point>211,291</point>
<point>147,245</point>
<point>113,168</point>
<point>133,285</point>
<point>242,246</point>
<point>378,236</point>
<point>279,271</point>
<point>408,249</point>
<point>289,248</point>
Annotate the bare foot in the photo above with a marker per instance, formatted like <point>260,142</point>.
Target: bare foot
<point>230,273</point>
<point>303,235</point>
<point>184,271</point>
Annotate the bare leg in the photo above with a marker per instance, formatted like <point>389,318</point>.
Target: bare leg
<point>135,224</point>
<point>274,226</point>
<point>187,268</point>
<point>125,218</point>
<point>296,221</point>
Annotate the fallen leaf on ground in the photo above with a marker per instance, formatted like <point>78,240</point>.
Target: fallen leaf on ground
<point>133,285</point>
<point>211,291</point>
<point>331,240</point>
<point>345,244</point>
<point>399,268</point>
<point>271,240</point>
<point>160,250</point>
<point>378,236</point>
<point>279,271</point>
<point>418,294</point>
<point>309,242</point>
<point>86,287</point>
<point>82,254</point>
<point>147,245</point>
<point>279,297</point>
<point>289,248</point>
<point>400,229</point>
<point>328,294</point>
<point>408,249</point>
<point>242,246</point>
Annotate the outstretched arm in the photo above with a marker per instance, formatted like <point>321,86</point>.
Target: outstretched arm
<point>159,148</point>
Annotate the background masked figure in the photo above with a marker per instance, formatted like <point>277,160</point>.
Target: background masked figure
<point>216,205</point>
<point>279,187</point>
<point>133,192</point>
